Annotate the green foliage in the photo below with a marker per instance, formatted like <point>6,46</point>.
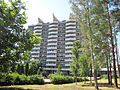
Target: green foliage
<point>84,65</point>
<point>15,40</point>
<point>61,79</point>
<point>15,78</point>
<point>59,72</point>
<point>105,76</point>
<point>27,68</point>
<point>36,79</point>
<point>34,66</point>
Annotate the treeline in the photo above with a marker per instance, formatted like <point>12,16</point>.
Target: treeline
<point>99,22</point>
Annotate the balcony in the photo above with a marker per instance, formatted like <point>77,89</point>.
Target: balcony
<point>37,33</point>
<point>65,69</point>
<point>68,47</point>
<point>37,27</point>
<point>71,27</point>
<point>68,35</point>
<point>49,68</point>
<point>51,59</point>
<point>50,64</point>
<point>68,60</point>
<point>68,43</point>
<point>50,40</point>
<point>70,31</point>
<point>35,48</point>
<point>53,29</point>
<point>67,39</point>
<point>51,47</point>
<point>68,51</point>
<point>53,32</point>
<point>52,36</point>
<point>70,23</point>
<point>67,64</point>
<point>70,55</point>
<point>52,43</point>
<point>51,55</point>
<point>34,52</point>
<point>37,44</point>
<point>34,55</point>
<point>51,51</point>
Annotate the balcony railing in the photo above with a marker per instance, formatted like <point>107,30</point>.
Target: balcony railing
<point>70,39</point>
<point>50,29</point>
<point>71,27</point>
<point>55,32</point>
<point>51,47</point>
<point>67,43</point>
<point>68,47</point>
<point>52,36</point>
<point>36,27</point>
<point>51,59</point>
<point>34,55</point>
<point>51,55</point>
<point>68,51</point>
<point>51,51</point>
<point>70,31</point>
<point>48,64</point>
<point>70,23</point>
<point>35,52</point>
<point>52,43</point>
<point>68,35</point>
<point>50,40</point>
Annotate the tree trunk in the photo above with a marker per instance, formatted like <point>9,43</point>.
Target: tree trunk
<point>110,73</point>
<point>95,78</point>
<point>113,55</point>
<point>91,76</point>
<point>108,70</point>
<point>117,57</point>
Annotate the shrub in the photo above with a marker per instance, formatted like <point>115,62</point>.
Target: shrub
<point>15,78</point>
<point>10,78</point>
<point>36,79</point>
<point>61,79</point>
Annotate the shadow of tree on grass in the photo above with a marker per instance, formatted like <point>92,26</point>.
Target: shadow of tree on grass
<point>13,88</point>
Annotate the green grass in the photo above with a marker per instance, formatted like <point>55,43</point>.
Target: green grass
<point>72,86</point>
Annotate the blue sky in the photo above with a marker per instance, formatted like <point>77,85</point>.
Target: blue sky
<point>45,9</point>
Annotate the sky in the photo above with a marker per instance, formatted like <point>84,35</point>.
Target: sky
<point>44,9</point>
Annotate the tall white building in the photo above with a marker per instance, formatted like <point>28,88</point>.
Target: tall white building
<point>58,38</point>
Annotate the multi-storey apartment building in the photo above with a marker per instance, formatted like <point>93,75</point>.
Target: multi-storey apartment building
<point>58,37</point>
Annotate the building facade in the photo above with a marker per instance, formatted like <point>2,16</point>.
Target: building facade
<point>55,49</point>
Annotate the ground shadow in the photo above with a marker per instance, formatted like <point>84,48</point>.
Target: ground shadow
<point>100,85</point>
<point>13,88</point>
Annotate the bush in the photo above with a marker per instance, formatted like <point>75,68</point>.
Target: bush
<point>61,79</point>
<point>15,78</point>
<point>36,79</point>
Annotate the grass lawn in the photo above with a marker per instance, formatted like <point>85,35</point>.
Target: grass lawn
<point>72,86</point>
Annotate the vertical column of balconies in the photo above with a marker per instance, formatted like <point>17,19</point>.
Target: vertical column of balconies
<point>35,53</point>
<point>52,45</point>
<point>61,45</point>
<point>43,47</point>
<point>70,37</point>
